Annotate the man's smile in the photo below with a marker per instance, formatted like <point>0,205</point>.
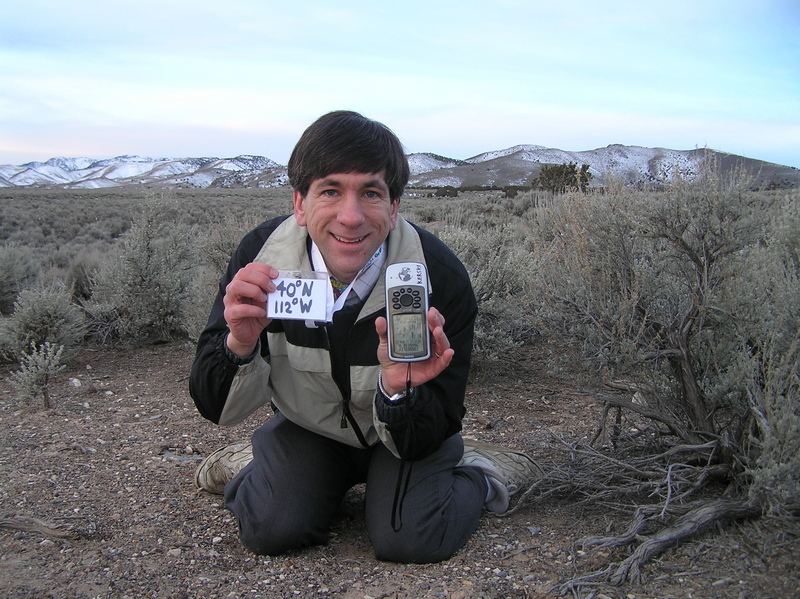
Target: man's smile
<point>348,215</point>
<point>343,240</point>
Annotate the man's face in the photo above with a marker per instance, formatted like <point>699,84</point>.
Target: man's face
<point>349,216</point>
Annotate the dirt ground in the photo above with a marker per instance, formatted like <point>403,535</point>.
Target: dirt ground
<point>112,464</point>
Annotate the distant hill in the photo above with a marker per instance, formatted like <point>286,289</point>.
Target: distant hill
<point>88,173</point>
<point>633,165</point>
<point>515,166</point>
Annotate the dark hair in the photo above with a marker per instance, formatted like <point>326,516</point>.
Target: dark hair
<point>347,142</point>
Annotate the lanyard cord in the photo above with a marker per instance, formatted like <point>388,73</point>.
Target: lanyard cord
<point>402,486</point>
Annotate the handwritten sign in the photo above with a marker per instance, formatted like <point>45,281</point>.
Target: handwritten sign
<point>300,295</point>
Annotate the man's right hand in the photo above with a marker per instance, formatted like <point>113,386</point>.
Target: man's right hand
<point>246,306</point>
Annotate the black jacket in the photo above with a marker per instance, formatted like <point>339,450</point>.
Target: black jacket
<point>333,391</point>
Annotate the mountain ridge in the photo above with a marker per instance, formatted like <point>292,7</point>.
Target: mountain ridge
<point>514,166</point>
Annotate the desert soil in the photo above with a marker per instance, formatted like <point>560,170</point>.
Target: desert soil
<point>111,465</point>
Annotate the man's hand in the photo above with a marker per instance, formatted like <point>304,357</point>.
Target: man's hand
<point>394,374</point>
<point>246,306</point>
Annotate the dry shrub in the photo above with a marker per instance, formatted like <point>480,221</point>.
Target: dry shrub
<point>44,314</point>
<point>768,294</point>
<point>686,300</point>
<point>499,268</point>
<point>37,365</point>
<point>17,270</point>
<point>139,292</point>
<point>775,402</point>
<point>215,245</point>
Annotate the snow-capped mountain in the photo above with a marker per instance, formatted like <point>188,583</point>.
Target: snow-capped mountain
<point>139,170</point>
<point>515,166</point>
<point>519,165</point>
<point>425,163</point>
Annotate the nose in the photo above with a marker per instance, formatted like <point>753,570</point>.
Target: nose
<point>351,212</point>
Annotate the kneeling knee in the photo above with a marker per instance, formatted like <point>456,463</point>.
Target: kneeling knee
<point>272,538</point>
<point>395,548</point>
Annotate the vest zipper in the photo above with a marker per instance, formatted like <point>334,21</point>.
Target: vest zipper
<point>347,415</point>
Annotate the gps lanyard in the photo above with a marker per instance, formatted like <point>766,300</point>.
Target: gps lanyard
<point>402,486</point>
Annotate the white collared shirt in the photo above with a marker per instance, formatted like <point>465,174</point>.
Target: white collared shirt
<point>362,285</point>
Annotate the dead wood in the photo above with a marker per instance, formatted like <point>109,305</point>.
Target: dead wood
<point>669,477</point>
<point>691,523</point>
<point>694,519</point>
<point>662,479</point>
<point>42,527</point>
<point>674,426</point>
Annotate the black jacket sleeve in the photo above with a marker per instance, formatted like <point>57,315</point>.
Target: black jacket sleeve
<point>419,426</point>
<point>212,372</point>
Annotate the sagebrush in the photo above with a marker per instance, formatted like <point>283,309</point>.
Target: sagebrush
<point>684,297</point>
<point>37,365</point>
<point>44,313</point>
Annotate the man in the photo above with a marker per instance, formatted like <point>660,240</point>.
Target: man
<point>345,413</point>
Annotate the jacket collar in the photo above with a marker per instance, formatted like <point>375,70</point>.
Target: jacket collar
<point>287,249</point>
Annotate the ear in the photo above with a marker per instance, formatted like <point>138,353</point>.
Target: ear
<point>298,201</point>
<point>395,210</point>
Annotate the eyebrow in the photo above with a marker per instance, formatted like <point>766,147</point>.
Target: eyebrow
<point>333,181</point>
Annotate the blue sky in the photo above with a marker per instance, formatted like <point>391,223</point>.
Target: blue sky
<point>176,78</point>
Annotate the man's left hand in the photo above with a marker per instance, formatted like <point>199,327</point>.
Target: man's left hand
<point>394,374</point>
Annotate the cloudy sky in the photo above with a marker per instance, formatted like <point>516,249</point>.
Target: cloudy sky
<point>177,78</point>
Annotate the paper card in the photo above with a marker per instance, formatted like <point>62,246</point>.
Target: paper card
<point>300,295</point>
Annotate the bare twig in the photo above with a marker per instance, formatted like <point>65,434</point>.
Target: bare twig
<point>42,527</point>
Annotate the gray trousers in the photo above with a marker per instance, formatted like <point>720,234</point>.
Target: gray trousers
<point>287,497</point>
